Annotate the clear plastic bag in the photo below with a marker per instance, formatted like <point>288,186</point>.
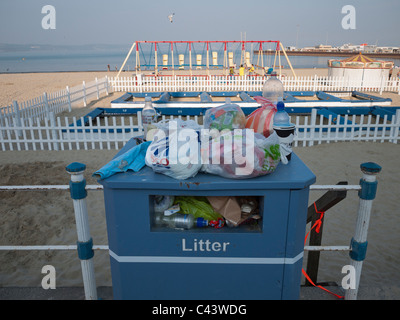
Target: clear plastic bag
<point>241,154</point>
<point>228,116</point>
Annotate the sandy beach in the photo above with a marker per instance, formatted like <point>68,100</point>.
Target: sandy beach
<point>47,217</point>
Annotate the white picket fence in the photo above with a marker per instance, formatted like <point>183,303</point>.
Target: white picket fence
<point>209,83</point>
<point>316,129</point>
<point>32,125</point>
<point>114,132</point>
<point>68,134</point>
<point>56,102</point>
<point>40,107</point>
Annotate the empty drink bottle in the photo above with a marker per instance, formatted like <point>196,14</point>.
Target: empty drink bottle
<point>179,221</point>
<point>285,131</point>
<point>273,89</point>
<point>281,117</point>
<point>149,115</point>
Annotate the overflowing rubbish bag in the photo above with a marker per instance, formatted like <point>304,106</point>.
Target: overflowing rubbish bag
<point>237,154</point>
<point>240,154</point>
<point>180,149</point>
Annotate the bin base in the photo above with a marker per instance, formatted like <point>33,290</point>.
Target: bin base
<point>205,281</point>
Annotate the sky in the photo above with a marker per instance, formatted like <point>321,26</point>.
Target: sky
<point>121,22</point>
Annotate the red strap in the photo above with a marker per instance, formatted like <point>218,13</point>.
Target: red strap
<point>264,102</point>
<point>267,123</point>
<point>317,226</point>
<point>308,278</point>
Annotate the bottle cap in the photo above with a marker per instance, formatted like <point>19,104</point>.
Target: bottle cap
<point>280,106</point>
<point>201,222</point>
<point>147,98</point>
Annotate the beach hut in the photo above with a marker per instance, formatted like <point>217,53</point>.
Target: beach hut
<point>360,70</point>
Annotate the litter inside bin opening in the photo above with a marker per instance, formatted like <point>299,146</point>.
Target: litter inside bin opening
<point>231,213</point>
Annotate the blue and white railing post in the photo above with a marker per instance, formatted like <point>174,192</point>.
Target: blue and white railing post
<point>85,243</point>
<point>358,245</point>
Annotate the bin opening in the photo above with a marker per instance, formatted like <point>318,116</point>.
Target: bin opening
<point>206,213</point>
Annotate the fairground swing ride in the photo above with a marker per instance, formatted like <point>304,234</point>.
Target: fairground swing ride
<point>219,55</point>
<point>198,59</point>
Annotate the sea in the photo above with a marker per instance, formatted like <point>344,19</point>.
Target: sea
<point>26,59</point>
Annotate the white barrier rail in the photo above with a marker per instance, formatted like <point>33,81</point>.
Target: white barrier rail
<point>334,187</point>
<point>45,248</point>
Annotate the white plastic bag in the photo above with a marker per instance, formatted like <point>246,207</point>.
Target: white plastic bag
<point>170,125</point>
<point>175,150</point>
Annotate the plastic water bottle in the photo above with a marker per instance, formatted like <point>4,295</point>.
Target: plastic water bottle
<point>179,221</point>
<point>285,132</point>
<point>149,115</point>
<point>273,89</point>
<point>281,117</point>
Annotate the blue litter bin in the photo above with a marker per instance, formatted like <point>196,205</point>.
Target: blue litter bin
<point>149,262</point>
